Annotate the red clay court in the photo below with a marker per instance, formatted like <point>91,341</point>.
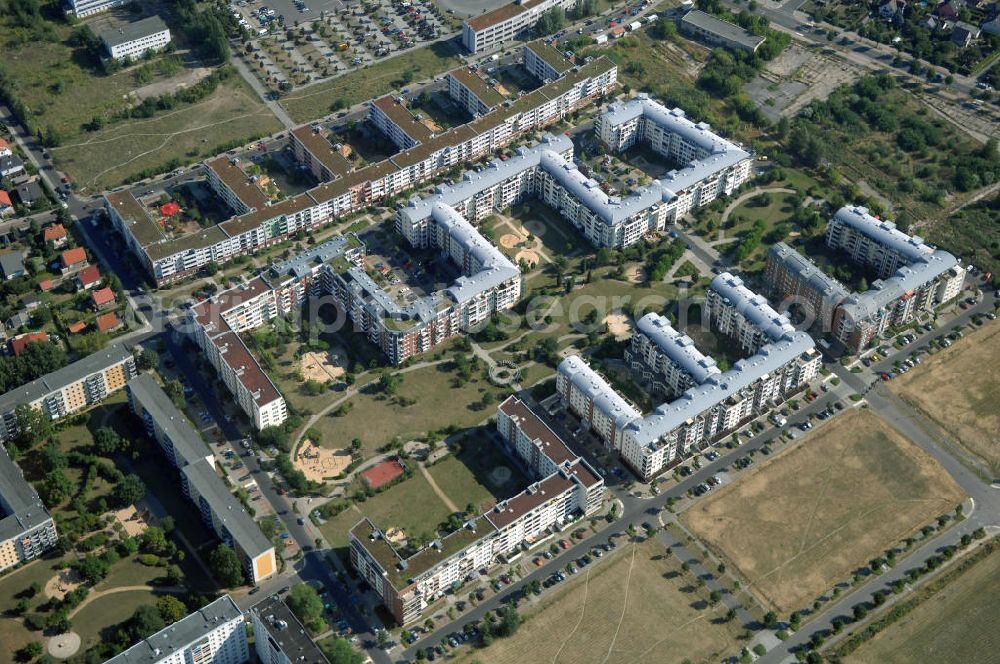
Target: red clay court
<point>383,473</point>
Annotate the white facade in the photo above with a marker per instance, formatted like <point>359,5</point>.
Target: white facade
<point>82,8</point>
<point>505,23</point>
<point>135,40</point>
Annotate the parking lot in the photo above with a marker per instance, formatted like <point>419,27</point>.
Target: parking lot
<point>298,42</point>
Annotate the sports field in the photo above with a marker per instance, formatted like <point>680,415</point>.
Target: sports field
<point>957,390</point>
<point>637,608</point>
<point>959,623</point>
<point>799,523</point>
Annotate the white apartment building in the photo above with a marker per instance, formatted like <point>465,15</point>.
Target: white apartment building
<point>135,39</point>
<point>504,24</point>
<point>81,8</point>
<point>474,93</point>
<point>543,61</point>
<point>666,358</point>
<point>346,189</point>
<point>214,634</point>
<point>70,389</point>
<point>742,315</point>
<point>408,585</point>
<point>719,403</point>
<point>914,278</point>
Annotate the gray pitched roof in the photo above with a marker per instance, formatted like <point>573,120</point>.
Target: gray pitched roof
<point>11,263</point>
<point>885,233</point>
<point>806,270</point>
<point>20,507</point>
<point>755,308</point>
<point>184,438</point>
<point>678,346</point>
<point>605,398</point>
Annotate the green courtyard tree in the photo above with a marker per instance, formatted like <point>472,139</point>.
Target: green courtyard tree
<point>225,566</point>
<point>130,490</point>
<point>307,605</point>
<point>171,609</point>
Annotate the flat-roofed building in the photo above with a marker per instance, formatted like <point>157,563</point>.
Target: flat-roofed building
<point>716,32</point>
<point>472,92</point>
<point>81,8</point>
<point>70,389</point>
<point>188,454</point>
<point>134,40</point>
<point>279,637</point>
<point>214,634</point>
<point>26,528</point>
<point>566,488</point>
<point>543,61</point>
<point>505,23</point>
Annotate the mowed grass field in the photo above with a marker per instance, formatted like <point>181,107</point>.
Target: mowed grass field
<point>104,159</point>
<point>799,523</point>
<point>958,624</point>
<point>959,391</point>
<point>316,101</point>
<point>637,608</point>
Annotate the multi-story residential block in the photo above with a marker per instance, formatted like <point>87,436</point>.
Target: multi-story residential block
<point>873,242</point>
<point>392,117</point>
<point>504,24</point>
<point>408,582</point>
<point>474,93</point>
<point>792,277</point>
<point>715,31</point>
<point>81,8</point>
<point>70,389</point>
<point>665,358</point>
<point>135,39</point>
<point>214,634</point>
<point>543,61</point>
<point>913,278</point>
<point>26,528</point>
<point>215,325</point>
<point>783,360</point>
<point>189,455</point>
<point>279,637</point>
<point>345,189</point>
<point>242,193</point>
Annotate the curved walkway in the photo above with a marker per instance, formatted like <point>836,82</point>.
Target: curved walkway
<point>123,589</point>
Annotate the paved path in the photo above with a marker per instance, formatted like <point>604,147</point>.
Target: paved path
<point>753,193</point>
<point>262,92</point>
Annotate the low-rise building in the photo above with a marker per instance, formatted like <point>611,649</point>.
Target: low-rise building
<point>12,265</point>
<point>81,8</point>
<point>55,235</point>
<point>134,40</point>
<point>6,204</point>
<point>70,389</point>
<point>214,634</point>
<point>716,32</point>
<point>187,453</point>
<point>20,342</point>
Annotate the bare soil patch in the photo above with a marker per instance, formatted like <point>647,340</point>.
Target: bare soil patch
<point>959,389</point>
<point>133,520</point>
<point>63,583</point>
<point>320,367</point>
<point>618,325</point>
<point>321,463</point>
<point>635,274</point>
<point>799,523</point>
<point>528,256</point>
<point>509,241</point>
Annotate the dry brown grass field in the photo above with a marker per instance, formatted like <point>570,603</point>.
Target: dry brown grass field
<point>959,390</point>
<point>637,608</point>
<point>795,525</point>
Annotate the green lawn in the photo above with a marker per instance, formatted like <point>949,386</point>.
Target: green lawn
<point>375,80</point>
<point>12,583</point>
<point>103,159</point>
<point>377,419</point>
<point>108,611</point>
<point>423,513</point>
<point>470,478</point>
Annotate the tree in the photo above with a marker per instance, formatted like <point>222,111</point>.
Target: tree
<point>144,622</point>
<point>56,488</point>
<point>32,424</point>
<point>53,457</point>
<point>130,490</point>
<point>307,605</point>
<point>148,358</point>
<point>29,652</point>
<point>714,597</point>
<point>171,609</point>
<point>339,651</point>
<point>107,441</point>
<point>770,620</point>
<point>154,540</point>
<point>859,611</point>
<point>225,566</point>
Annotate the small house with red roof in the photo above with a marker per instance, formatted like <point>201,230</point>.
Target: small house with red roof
<point>103,298</point>
<point>55,235</point>
<point>5,150</point>
<point>45,285</point>
<point>88,277</point>
<point>77,327</point>
<point>108,322</point>
<point>20,342</point>
<point>73,259</point>
<point>6,205</point>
